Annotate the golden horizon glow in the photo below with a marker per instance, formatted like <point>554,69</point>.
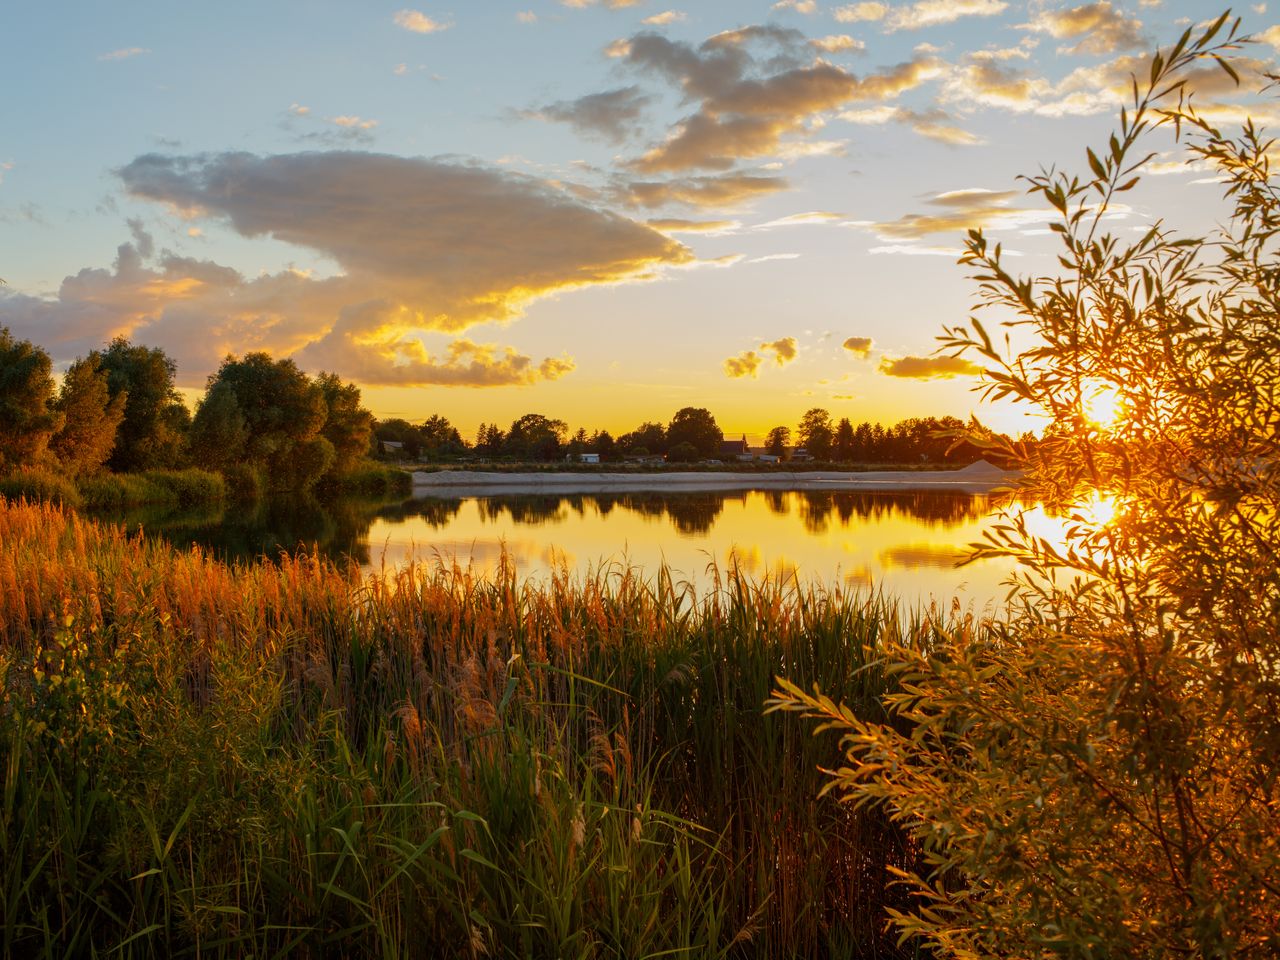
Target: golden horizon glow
<point>1102,402</point>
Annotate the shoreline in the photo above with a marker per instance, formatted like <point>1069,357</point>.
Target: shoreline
<point>466,483</point>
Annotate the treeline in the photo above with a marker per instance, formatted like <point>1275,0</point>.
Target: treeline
<point>691,435</point>
<point>117,432</point>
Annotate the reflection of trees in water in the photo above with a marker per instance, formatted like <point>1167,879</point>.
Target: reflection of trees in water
<point>340,528</point>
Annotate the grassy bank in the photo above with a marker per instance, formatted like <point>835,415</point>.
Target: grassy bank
<point>234,760</point>
<point>171,488</point>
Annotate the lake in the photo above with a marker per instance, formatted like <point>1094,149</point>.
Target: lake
<point>906,543</point>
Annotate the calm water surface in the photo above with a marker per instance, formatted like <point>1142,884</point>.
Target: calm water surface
<point>905,543</point>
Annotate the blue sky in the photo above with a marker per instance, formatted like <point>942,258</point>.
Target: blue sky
<point>597,211</point>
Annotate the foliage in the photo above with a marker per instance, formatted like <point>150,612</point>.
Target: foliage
<point>1098,777</point>
<point>286,759</point>
<point>348,426</point>
<point>374,479</point>
<point>535,437</point>
<point>815,433</point>
<point>153,430</point>
<point>91,418</point>
<point>778,440</point>
<point>155,487</point>
<point>652,437</point>
<point>683,452</point>
<point>26,390</point>
<point>283,412</point>
<point>696,427</point>
<point>219,432</point>
<point>34,484</point>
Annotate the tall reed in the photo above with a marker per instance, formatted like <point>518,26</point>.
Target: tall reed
<point>212,759</point>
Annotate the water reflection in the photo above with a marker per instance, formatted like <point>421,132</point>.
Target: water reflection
<point>906,542</point>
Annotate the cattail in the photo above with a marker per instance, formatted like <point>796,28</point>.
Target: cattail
<point>579,827</point>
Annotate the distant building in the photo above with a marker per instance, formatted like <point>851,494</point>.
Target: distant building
<point>393,446</point>
<point>735,449</point>
<point>800,455</point>
<point>589,458</point>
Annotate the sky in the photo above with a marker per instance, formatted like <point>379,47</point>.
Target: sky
<point>597,210</point>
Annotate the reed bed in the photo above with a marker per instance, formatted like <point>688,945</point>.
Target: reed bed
<point>284,758</point>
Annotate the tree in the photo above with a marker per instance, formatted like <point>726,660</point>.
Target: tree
<point>348,426</point>
<point>815,433</point>
<point>535,437</point>
<point>27,421</point>
<point>696,427</point>
<point>219,433</point>
<point>652,437</point>
<point>90,418</point>
<point>842,449</point>
<point>440,438</point>
<point>284,412</point>
<point>778,440</point>
<point>683,452</point>
<point>153,430</point>
<point>1097,775</point>
<point>603,443</point>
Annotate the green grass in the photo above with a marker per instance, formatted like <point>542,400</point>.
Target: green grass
<point>178,488</point>
<point>202,759</point>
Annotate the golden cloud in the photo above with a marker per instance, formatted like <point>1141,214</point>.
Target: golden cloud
<point>929,368</point>
<point>859,346</point>
<point>962,210</point>
<point>1104,28</point>
<point>423,246</point>
<point>415,21</point>
<point>784,350</point>
<point>724,192</point>
<point>745,364</point>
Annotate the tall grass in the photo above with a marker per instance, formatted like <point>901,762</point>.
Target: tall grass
<point>212,759</point>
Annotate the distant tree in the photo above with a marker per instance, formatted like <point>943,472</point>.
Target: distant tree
<point>440,438</point>
<point>577,445</point>
<point>697,427</point>
<point>90,418</point>
<point>491,440</point>
<point>842,449</point>
<point>536,437</point>
<point>651,437</point>
<point>603,444</point>
<point>218,431</point>
<point>778,440</point>
<point>348,426</point>
<point>153,430</point>
<point>683,452</point>
<point>815,433</point>
<point>27,420</point>
<point>398,430</point>
<point>284,412</point>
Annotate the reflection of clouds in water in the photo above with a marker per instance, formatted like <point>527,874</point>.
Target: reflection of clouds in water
<point>859,578</point>
<point>915,555</point>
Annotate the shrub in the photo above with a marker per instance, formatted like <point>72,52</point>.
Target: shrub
<point>187,487</point>
<point>167,487</point>
<point>1099,778</point>
<point>244,482</point>
<point>39,485</point>
<point>374,479</point>
<point>113,491</point>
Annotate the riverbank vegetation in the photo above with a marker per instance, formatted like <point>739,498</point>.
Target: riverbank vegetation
<point>281,758</point>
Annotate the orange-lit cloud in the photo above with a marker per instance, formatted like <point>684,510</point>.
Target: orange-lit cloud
<point>859,346</point>
<point>664,18</point>
<point>929,368</point>
<point>723,192</point>
<point>838,43</point>
<point>961,210</point>
<point>124,53</point>
<point>784,350</point>
<point>1102,27</point>
<point>935,124</point>
<point>745,364</point>
<point>423,246</point>
<point>415,21</point>
<point>914,16</point>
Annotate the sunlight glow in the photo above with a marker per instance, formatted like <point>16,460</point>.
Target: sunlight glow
<point>1102,403</point>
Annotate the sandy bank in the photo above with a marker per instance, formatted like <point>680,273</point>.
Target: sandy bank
<point>980,478</point>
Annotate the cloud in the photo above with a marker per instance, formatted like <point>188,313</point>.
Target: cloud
<point>124,53</point>
<point>745,364</point>
<point>929,368</point>
<point>724,192</point>
<point>960,210</point>
<point>416,21</point>
<point>932,13</point>
<point>664,18</point>
<point>407,362</point>
<point>799,6</point>
<point>306,126</point>
<point>1104,28</point>
<point>611,4</point>
<point>838,43</point>
<point>859,346</point>
<point>5,167</point>
<point>612,114</point>
<point>423,246</point>
<point>801,219</point>
<point>526,16</point>
<point>759,92</point>
<point>935,124</point>
<point>861,12</point>
<point>784,350</point>
<point>678,225</point>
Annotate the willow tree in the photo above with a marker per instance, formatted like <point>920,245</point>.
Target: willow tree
<point>1096,775</point>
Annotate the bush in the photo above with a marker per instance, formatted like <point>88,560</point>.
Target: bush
<point>1099,778</point>
<point>33,484</point>
<point>374,479</point>
<point>179,488</point>
<point>244,482</point>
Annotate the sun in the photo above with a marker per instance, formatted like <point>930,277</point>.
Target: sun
<point>1102,403</point>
